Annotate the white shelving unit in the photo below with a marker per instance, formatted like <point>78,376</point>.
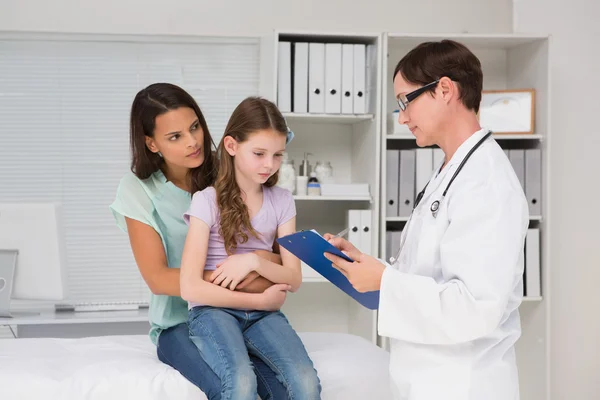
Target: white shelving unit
<point>351,143</point>
<point>509,62</point>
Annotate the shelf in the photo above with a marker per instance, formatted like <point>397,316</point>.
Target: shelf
<point>404,219</point>
<point>492,40</point>
<point>531,299</point>
<point>328,118</point>
<point>497,137</point>
<point>396,219</point>
<point>333,198</point>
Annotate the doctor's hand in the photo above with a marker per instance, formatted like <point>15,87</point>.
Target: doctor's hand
<point>364,274</point>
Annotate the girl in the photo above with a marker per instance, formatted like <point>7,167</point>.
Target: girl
<point>242,213</point>
<point>172,157</point>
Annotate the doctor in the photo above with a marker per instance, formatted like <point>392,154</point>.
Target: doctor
<point>449,300</point>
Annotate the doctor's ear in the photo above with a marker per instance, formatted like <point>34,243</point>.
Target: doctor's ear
<point>447,89</point>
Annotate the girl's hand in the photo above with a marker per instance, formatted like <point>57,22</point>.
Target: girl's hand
<point>234,269</point>
<point>273,298</point>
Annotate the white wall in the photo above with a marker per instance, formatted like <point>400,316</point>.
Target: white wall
<point>250,17</point>
<point>574,190</point>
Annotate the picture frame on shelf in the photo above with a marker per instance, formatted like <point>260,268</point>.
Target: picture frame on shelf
<point>509,111</point>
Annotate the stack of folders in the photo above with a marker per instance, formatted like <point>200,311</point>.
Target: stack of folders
<point>358,223</point>
<point>408,171</point>
<point>325,78</point>
<point>527,164</point>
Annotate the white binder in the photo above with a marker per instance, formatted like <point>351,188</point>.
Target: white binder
<point>366,229</point>
<point>300,88</point>
<point>532,263</point>
<point>406,188</point>
<point>355,231</point>
<point>316,78</point>
<point>392,168</point>
<point>347,78</point>
<point>333,78</point>
<point>359,79</point>
<point>284,77</point>
<point>517,159</point>
<point>533,180</point>
<point>424,167</point>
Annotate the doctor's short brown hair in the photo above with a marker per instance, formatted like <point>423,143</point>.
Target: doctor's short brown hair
<point>430,61</point>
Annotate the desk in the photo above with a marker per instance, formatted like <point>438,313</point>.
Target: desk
<point>69,324</point>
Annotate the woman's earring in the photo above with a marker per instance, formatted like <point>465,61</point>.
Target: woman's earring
<point>159,154</point>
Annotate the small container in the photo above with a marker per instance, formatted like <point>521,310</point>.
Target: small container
<point>314,187</point>
<point>287,174</point>
<point>305,166</point>
<point>324,172</point>
<point>301,185</point>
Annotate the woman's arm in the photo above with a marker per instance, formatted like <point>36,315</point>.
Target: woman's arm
<point>290,271</point>
<point>150,257</point>
<point>193,286</point>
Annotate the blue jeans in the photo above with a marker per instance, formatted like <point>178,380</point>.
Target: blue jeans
<point>177,350</point>
<point>227,338</point>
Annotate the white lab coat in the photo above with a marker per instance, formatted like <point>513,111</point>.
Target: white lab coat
<point>450,303</point>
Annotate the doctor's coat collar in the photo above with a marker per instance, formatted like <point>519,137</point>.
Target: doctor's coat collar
<point>456,159</point>
<point>464,148</point>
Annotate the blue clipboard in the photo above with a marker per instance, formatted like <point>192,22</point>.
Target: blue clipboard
<point>309,247</point>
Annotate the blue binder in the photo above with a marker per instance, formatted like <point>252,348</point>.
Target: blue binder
<point>309,247</point>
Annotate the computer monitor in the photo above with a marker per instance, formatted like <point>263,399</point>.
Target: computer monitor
<point>32,254</point>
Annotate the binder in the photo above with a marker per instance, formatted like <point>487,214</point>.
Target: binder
<point>310,247</point>
<point>532,263</point>
<point>347,78</point>
<point>333,78</point>
<point>316,78</point>
<point>406,185</point>
<point>424,167</point>
<point>371,78</point>
<point>517,159</point>
<point>300,104</point>
<point>533,180</point>
<point>392,165</point>
<point>354,226</point>
<point>365,232</point>
<point>359,78</point>
<point>284,77</point>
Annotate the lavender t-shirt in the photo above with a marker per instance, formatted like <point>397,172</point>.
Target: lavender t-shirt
<point>278,207</point>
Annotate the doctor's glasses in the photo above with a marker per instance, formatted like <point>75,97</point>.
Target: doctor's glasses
<point>405,99</point>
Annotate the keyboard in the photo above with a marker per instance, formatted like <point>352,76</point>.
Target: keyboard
<point>101,306</point>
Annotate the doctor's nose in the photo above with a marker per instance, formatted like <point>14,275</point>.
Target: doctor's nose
<point>403,117</point>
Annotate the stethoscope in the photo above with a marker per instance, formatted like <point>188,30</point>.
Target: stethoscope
<point>435,205</point>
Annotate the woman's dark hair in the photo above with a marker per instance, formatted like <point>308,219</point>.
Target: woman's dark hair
<point>251,115</point>
<point>430,61</point>
<point>148,104</point>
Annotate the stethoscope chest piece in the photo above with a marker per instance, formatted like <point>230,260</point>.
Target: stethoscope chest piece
<point>435,206</point>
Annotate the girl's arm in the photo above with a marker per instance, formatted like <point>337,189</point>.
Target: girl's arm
<point>193,286</point>
<point>290,271</point>
<point>150,257</point>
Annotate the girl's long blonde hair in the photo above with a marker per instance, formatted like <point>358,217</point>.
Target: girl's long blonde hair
<point>251,115</point>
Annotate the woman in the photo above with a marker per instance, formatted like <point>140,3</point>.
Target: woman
<point>450,300</point>
<point>172,158</point>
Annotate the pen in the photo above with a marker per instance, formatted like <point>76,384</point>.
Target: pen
<point>342,233</point>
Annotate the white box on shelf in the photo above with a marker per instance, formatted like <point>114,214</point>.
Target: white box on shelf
<point>345,189</point>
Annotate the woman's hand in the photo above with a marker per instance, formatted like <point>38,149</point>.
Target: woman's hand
<point>364,274</point>
<point>234,269</point>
